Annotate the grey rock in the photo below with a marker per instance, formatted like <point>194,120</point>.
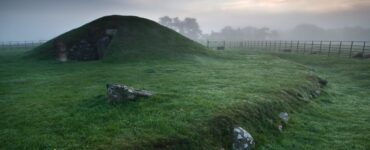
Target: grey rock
<point>280,127</point>
<point>101,44</point>
<point>243,140</point>
<point>315,93</point>
<point>119,93</point>
<point>61,50</point>
<point>284,116</point>
<point>83,50</point>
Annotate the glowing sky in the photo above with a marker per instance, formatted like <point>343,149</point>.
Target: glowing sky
<point>43,19</point>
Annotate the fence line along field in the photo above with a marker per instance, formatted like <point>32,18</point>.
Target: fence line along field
<point>21,44</point>
<point>329,48</point>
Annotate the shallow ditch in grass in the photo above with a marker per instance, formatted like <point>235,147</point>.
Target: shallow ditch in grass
<point>260,119</point>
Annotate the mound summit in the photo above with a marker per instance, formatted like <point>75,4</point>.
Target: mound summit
<point>118,38</point>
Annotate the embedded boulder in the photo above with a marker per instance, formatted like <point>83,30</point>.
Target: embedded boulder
<point>119,93</point>
<point>83,50</point>
<point>243,140</point>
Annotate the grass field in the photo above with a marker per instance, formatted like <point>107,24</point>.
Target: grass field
<point>340,118</point>
<point>47,105</point>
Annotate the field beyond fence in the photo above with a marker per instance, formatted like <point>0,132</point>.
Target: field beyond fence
<point>329,48</point>
<point>21,44</point>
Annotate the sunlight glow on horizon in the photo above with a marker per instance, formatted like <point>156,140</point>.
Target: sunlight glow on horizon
<point>288,6</point>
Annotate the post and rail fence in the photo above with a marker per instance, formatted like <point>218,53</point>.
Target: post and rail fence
<point>329,48</point>
<point>21,44</point>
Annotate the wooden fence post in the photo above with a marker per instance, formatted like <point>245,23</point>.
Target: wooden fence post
<point>291,45</point>
<point>224,44</point>
<point>329,48</point>
<point>265,45</point>
<point>340,48</point>
<point>298,46</point>
<point>304,47</point>
<point>311,47</point>
<point>363,49</point>
<point>320,47</point>
<point>350,50</point>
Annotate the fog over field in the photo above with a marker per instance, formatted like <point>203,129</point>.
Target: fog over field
<point>281,19</point>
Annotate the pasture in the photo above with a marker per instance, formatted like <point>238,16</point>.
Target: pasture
<point>46,104</point>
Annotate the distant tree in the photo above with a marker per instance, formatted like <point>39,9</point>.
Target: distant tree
<point>188,27</point>
<point>166,21</point>
<point>245,33</point>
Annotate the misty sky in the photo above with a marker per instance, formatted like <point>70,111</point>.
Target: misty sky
<point>44,19</point>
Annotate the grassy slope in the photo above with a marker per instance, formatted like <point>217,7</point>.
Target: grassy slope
<point>340,119</point>
<point>45,104</point>
<point>137,38</point>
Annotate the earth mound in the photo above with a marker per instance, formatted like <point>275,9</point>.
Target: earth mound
<point>118,38</point>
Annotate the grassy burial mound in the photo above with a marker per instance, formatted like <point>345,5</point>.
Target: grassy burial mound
<point>119,38</point>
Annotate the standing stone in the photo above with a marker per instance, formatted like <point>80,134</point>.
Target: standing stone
<point>242,139</point>
<point>101,44</point>
<point>62,51</point>
<point>118,93</point>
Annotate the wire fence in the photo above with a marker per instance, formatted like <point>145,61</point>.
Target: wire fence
<point>21,44</point>
<point>329,48</point>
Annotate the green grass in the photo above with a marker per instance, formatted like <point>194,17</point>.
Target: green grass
<point>47,105</point>
<point>340,118</point>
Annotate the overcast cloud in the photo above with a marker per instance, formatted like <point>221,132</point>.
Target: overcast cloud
<point>44,19</point>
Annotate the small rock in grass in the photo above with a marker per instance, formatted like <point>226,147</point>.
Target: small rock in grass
<point>118,93</point>
<point>242,139</point>
<point>284,117</point>
<point>315,93</point>
<point>280,127</point>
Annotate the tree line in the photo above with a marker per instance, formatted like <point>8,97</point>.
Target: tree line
<point>190,28</point>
